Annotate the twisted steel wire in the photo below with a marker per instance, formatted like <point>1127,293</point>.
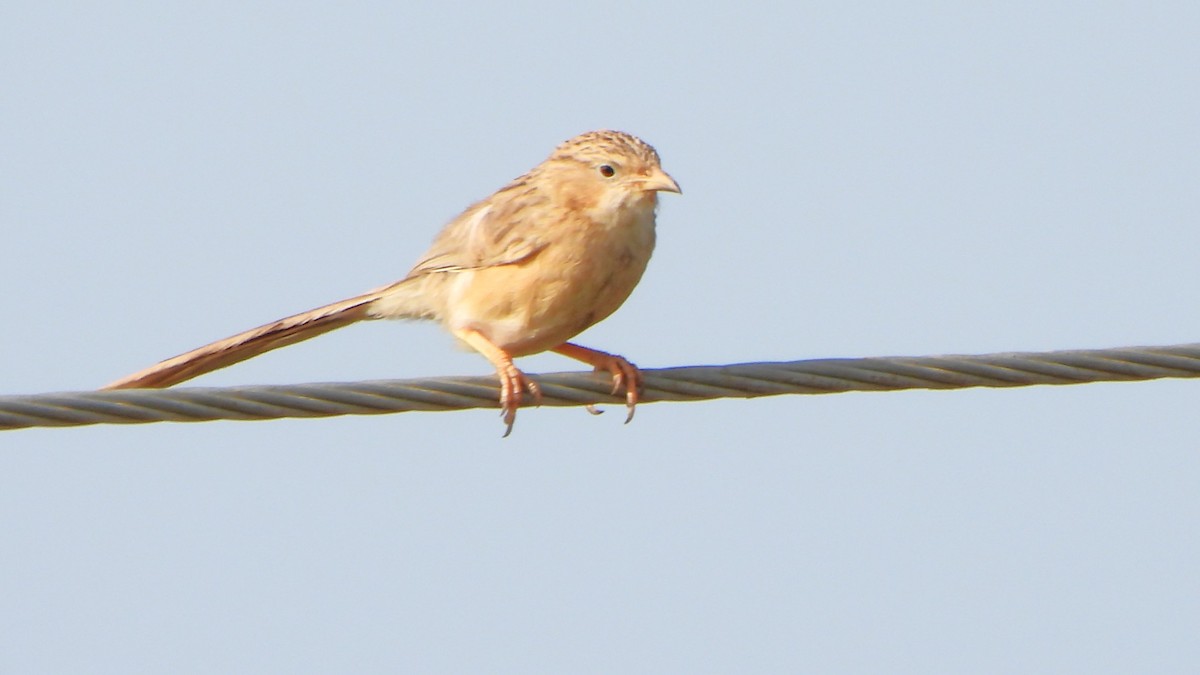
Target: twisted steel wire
<point>696,383</point>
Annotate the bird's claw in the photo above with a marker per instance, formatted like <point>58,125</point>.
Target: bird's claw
<point>625,376</point>
<point>513,384</point>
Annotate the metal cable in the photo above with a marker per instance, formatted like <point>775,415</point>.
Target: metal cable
<point>744,380</point>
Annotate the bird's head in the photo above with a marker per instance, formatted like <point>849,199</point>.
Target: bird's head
<point>607,170</point>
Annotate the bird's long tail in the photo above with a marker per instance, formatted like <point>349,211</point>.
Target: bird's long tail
<point>250,343</point>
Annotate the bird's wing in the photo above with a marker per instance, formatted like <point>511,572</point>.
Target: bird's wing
<point>497,231</point>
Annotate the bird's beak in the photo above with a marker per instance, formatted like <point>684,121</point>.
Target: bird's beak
<point>659,181</point>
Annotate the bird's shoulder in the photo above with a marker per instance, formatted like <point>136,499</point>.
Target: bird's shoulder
<point>511,226</point>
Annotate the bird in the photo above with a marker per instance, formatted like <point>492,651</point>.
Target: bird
<point>520,272</point>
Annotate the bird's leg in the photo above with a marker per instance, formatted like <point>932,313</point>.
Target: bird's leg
<point>624,373</point>
<point>513,383</point>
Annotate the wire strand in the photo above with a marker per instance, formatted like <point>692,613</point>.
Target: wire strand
<point>693,383</point>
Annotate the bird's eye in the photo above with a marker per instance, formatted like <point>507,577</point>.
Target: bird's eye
<point>607,171</point>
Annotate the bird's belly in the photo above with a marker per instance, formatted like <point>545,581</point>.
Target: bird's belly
<point>543,302</point>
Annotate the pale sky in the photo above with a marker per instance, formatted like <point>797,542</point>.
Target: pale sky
<point>858,180</point>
